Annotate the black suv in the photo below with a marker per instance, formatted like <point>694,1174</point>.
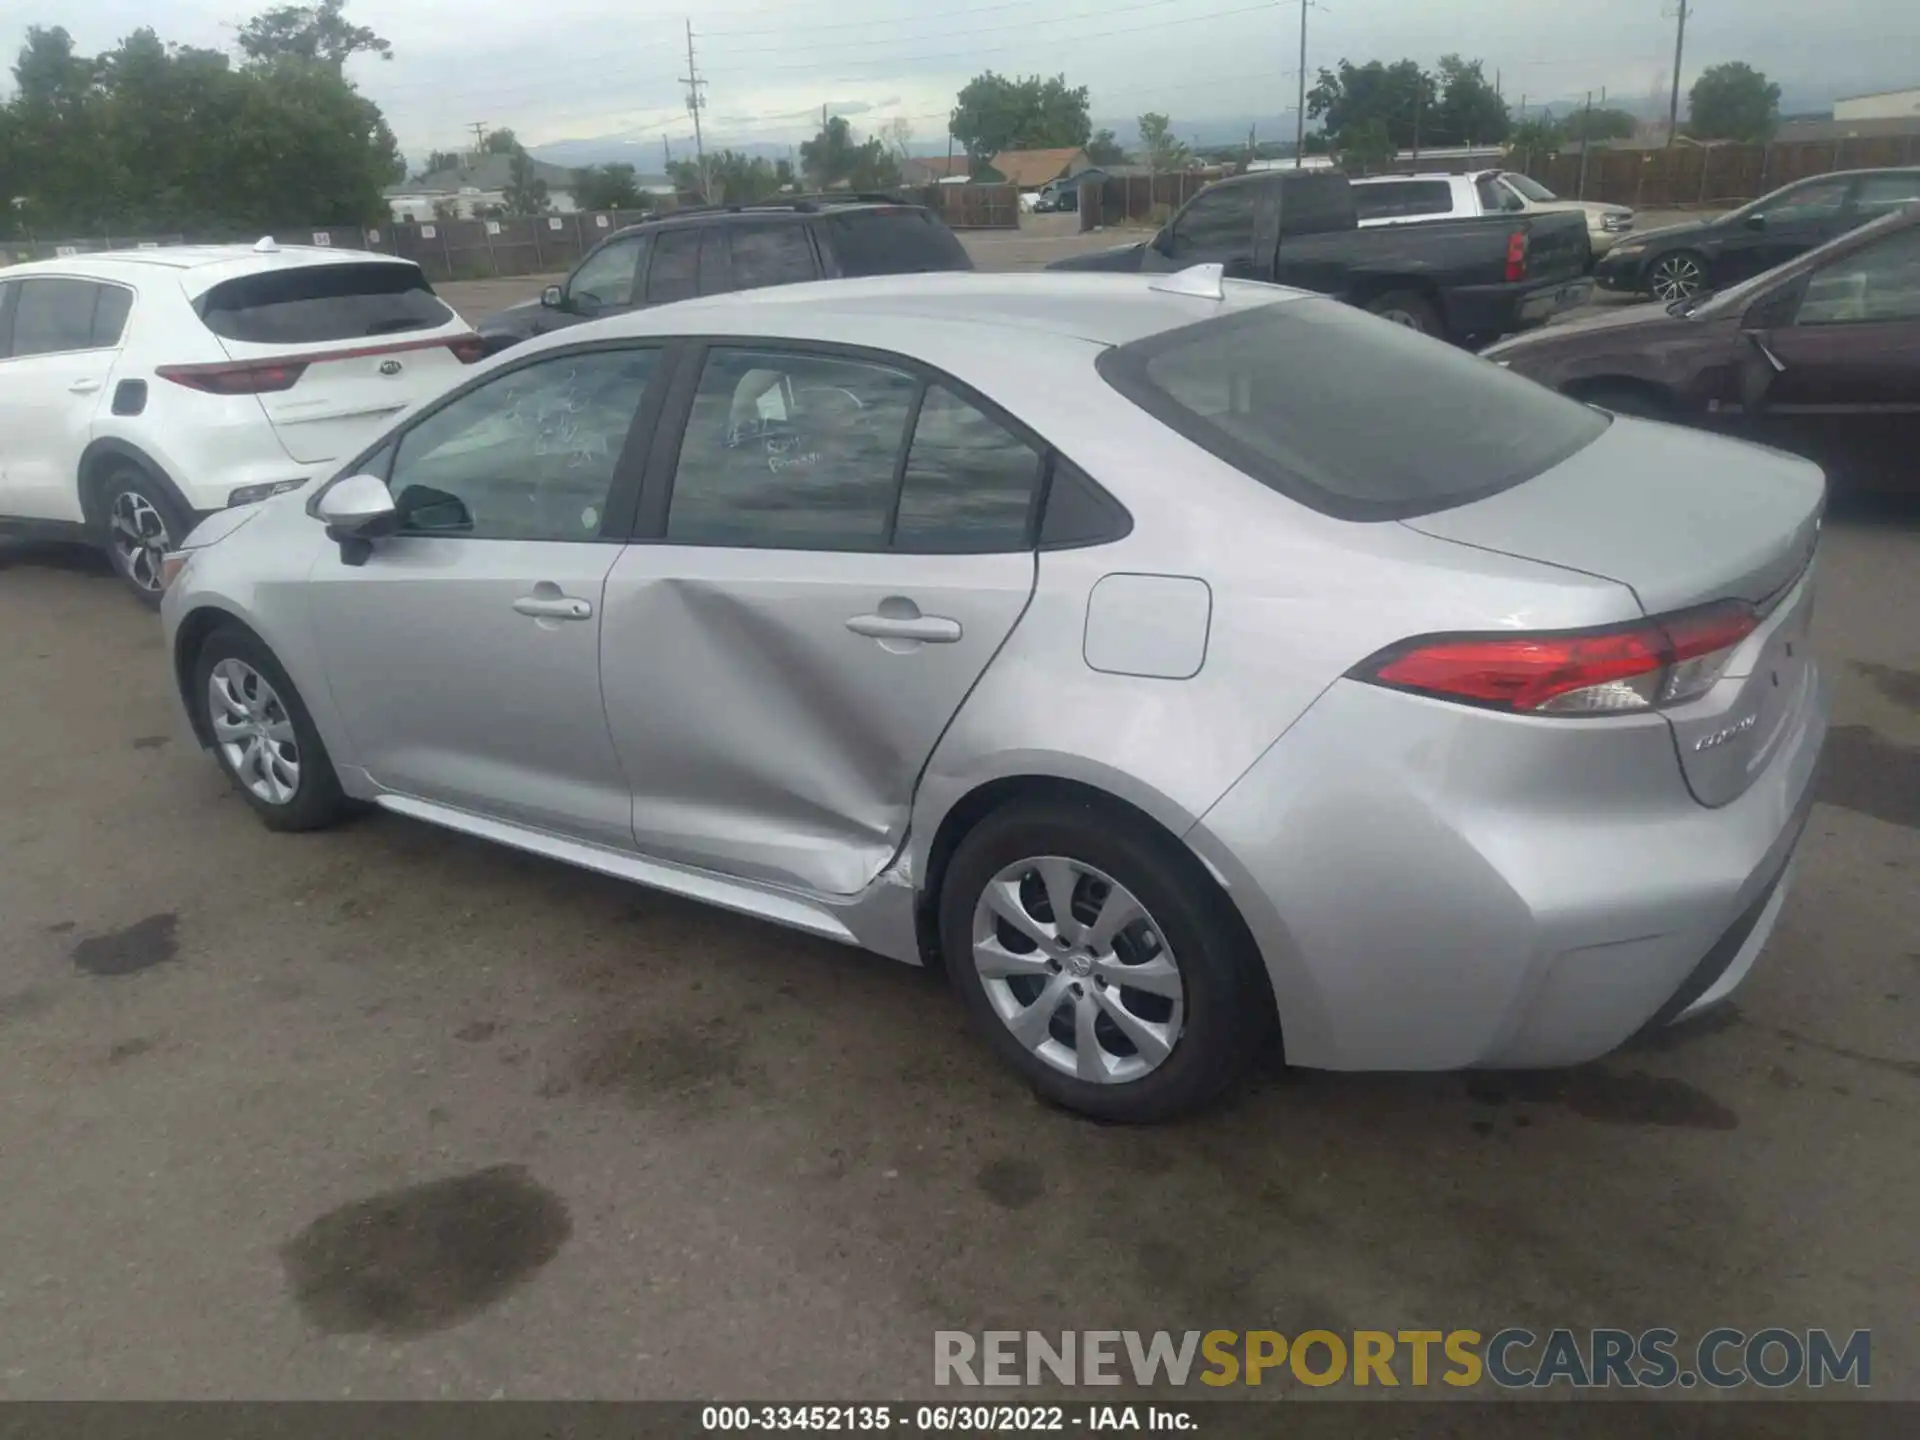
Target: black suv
<point>735,247</point>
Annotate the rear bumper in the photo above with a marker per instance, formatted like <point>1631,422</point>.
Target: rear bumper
<point>1433,887</point>
<point>1503,309</point>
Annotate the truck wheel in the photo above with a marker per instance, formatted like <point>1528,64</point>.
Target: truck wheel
<point>1408,308</point>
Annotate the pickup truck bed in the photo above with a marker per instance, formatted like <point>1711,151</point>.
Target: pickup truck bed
<point>1466,280</point>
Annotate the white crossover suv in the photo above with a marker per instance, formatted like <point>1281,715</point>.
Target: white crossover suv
<point>143,389</point>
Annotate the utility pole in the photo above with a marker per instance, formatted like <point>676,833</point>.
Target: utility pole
<point>1586,144</point>
<point>1300,116</point>
<point>1679,48</point>
<point>479,128</point>
<point>695,103</point>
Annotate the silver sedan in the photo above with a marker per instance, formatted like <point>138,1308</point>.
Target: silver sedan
<point>1179,663</point>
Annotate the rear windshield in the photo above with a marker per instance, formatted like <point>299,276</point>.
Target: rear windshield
<point>1346,413</point>
<point>1397,199</point>
<point>317,303</point>
<point>893,242</point>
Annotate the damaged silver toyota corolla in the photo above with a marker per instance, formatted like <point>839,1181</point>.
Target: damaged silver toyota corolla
<point>1176,661</point>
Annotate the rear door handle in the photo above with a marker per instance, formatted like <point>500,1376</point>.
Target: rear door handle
<point>550,607</point>
<point>933,629</point>
<point>84,387</point>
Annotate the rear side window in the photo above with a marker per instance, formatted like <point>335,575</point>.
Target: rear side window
<point>970,483</point>
<point>1495,197</point>
<point>54,316</point>
<point>716,262</point>
<point>1401,199</point>
<point>770,255</point>
<point>313,304</point>
<point>893,242</point>
<point>1347,414</point>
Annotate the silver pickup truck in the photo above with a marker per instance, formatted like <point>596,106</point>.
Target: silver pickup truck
<point>1409,199</point>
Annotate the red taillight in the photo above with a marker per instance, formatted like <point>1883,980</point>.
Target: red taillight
<point>242,379</point>
<point>1517,255</point>
<point>1628,667</point>
<point>468,349</point>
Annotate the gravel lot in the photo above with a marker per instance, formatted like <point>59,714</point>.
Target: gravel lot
<point>384,1112</point>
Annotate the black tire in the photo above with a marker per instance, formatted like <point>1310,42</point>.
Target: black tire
<point>1229,1010</point>
<point>316,800</point>
<point>1411,309</point>
<point>1627,400</point>
<point>130,501</point>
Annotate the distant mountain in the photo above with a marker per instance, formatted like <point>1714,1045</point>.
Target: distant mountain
<point>644,151</point>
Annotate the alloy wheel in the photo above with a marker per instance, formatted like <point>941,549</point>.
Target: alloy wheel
<point>1677,277</point>
<point>139,536</point>
<point>1402,317</point>
<point>254,731</point>
<point>1077,970</point>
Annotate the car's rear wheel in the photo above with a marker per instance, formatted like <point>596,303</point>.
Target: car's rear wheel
<point>143,523</point>
<point>1405,307</point>
<point>1679,276</point>
<point>1627,400</point>
<point>1099,961</point>
<point>262,734</point>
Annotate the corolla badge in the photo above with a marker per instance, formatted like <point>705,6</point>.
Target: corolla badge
<point>1721,737</point>
<point>390,367</point>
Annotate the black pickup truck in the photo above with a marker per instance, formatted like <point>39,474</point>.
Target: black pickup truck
<point>1464,280</point>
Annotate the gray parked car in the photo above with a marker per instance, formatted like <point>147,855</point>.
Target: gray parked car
<point>1171,659</point>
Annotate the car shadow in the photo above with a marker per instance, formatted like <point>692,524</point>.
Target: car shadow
<point>52,555</point>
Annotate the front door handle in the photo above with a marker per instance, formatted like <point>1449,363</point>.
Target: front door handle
<point>933,629</point>
<point>84,387</point>
<point>554,607</point>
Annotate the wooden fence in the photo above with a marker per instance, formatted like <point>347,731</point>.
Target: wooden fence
<point>1685,175</point>
<point>971,207</point>
<point>1139,199</point>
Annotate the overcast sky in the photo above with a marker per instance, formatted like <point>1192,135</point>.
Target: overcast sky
<point>581,68</point>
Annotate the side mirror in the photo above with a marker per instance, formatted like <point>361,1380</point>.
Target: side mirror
<point>1756,222</point>
<point>356,511</point>
<point>553,297</point>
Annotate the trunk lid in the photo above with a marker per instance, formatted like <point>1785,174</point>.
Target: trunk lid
<point>1682,519</point>
<point>1557,246</point>
<point>368,335</point>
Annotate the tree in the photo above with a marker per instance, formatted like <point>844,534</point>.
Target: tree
<point>996,112</point>
<point>897,136</point>
<point>1535,137</point>
<point>832,161</point>
<point>1365,146</point>
<point>1604,124</point>
<point>1733,102</point>
<point>1104,149</point>
<point>440,160</point>
<point>500,142</point>
<point>151,138</point>
<point>525,192</point>
<point>1470,111</point>
<point>312,33</point>
<point>1165,150</point>
<point>737,179</point>
<point>1396,95</point>
<point>607,187</point>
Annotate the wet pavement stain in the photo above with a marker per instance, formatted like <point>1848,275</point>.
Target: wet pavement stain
<point>674,1060</point>
<point>140,946</point>
<point>421,1259</point>
<point>125,1050</point>
<point>1630,1097</point>
<point>60,927</point>
<point>25,1005</point>
<point>150,742</point>
<point>1012,1183</point>
<point>1868,773</point>
<point>1908,1068</point>
<point>1900,686</point>
<point>474,1031</point>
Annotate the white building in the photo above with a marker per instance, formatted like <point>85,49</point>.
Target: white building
<point>1882,105</point>
<point>477,184</point>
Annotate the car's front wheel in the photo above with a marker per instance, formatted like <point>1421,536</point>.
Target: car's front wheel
<point>143,523</point>
<point>262,734</point>
<point>1097,959</point>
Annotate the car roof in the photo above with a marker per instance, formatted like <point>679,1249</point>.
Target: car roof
<point>798,207</point>
<point>199,267</point>
<point>1082,307</point>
